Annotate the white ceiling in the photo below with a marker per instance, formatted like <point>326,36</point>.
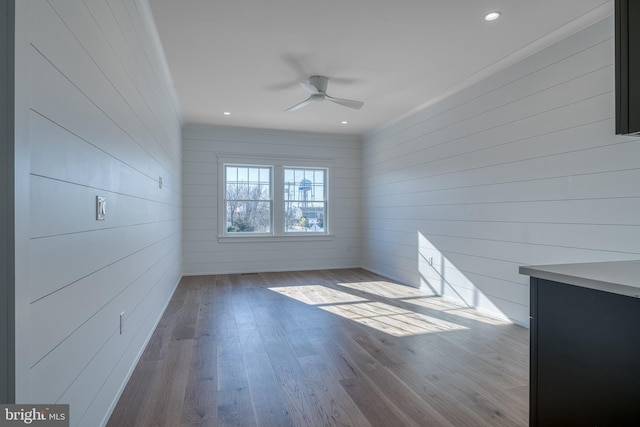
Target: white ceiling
<point>248,56</point>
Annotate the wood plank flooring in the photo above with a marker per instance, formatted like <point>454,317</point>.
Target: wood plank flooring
<point>324,348</point>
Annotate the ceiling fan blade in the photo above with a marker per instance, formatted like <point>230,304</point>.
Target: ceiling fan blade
<point>310,88</point>
<point>298,106</point>
<point>346,102</point>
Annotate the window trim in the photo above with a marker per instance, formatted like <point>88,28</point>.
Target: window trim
<point>271,200</point>
<point>326,220</point>
<point>277,165</point>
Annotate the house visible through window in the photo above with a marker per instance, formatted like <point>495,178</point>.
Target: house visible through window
<point>305,199</point>
<point>264,197</point>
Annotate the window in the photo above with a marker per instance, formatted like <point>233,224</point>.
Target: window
<point>248,200</point>
<point>305,200</point>
<point>265,197</point>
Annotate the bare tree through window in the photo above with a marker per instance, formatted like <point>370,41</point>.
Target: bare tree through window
<point>248,199</point>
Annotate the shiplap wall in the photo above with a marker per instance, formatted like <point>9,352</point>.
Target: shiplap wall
<point>203,254</point>
<point>522,168</point>
<point>102,120</point>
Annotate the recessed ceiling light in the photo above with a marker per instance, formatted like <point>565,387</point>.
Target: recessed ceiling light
<point>344,122</point>
<point>226,113</point>
<point>492,16</point>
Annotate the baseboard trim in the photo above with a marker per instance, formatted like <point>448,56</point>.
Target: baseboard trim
<point>275,270</point>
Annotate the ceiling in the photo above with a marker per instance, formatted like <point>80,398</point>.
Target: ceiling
<point>247,57</point>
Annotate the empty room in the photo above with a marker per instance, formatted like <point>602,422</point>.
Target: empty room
<point>295,213</point>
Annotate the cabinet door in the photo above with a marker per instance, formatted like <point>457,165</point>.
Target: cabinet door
<point>587,357</point>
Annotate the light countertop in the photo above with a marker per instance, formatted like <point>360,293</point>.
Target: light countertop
<point>619,277</point>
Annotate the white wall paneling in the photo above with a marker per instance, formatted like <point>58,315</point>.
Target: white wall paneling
<point>203,254</point>
<point>521,168</point>
<point>101,119</point>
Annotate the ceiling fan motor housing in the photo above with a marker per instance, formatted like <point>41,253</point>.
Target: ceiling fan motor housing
<point>319,82</point>
<point>317,88</point>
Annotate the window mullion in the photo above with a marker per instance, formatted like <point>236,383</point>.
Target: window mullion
<point>278,200</point>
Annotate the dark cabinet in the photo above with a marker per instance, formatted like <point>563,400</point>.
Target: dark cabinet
<point>585,356</point>
<point>627,13</point>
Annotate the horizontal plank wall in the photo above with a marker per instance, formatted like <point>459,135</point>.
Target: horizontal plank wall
<point>102,120</point>
<point>203,254</point>
<point>522,168</point>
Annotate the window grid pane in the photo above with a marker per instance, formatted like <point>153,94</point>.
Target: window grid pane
<point>305,200</point>
<point>248,199</point>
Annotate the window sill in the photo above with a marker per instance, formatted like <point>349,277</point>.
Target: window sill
<point>271,238</point>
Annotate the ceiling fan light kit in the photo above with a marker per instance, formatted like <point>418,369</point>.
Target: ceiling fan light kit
<point>317,88</point>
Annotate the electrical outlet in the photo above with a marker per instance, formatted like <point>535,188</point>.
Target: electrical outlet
<point>122,323</point>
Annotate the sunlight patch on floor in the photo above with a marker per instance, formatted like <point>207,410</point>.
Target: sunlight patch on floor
<point>384,289</point>
<point>378,315</point>
<point>317,294</point>
<point>392,320</point>
<point>456,310</point>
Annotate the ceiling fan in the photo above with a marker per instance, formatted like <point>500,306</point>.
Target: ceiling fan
<point>317,87</point>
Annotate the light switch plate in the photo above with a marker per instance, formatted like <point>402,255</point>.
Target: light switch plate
<point>101,208</point>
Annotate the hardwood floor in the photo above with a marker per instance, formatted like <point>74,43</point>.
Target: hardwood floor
<point>324,348</point>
